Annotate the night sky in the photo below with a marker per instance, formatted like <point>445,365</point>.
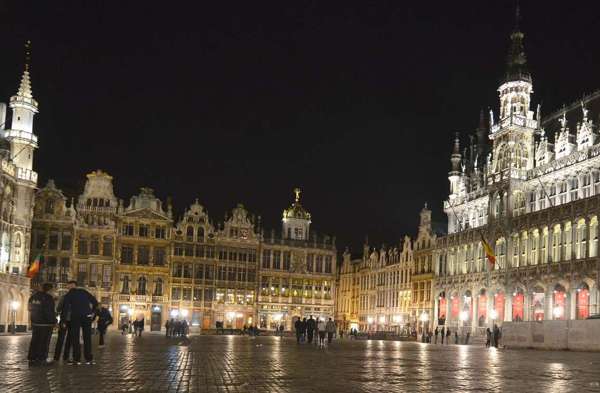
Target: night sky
<point>231,102</point>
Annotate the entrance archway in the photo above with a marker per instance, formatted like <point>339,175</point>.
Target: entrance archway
<point>538,303</point>
<point>583,301</point>
<point>498,306</point>
<point>482,308</point>
<point>559,301</point>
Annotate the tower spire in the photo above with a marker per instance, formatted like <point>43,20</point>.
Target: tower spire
<point>24,90</point>
<point>516,61</point>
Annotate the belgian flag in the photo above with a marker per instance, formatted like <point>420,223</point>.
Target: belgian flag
<point>489,253</point>
<point>35,266</point>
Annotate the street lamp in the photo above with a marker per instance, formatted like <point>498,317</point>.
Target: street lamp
<point>14,306</point>
<point>174,313</point>
<point>557,311</point>
<point>424,318</point>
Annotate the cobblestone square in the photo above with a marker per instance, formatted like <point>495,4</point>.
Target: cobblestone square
<point>154,363</point>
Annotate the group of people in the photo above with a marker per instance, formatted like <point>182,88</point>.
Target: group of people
<point>74,314</point>
<point>133,327</point>
<point>176,328</point>
<point>492,336</point>
<point>306,329</point>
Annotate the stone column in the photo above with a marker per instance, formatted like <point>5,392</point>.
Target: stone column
<point>475,307</point>
<point>571,311</point>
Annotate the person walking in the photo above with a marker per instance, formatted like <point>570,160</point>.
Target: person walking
<point>63,339</point>
<point>435,333</point>
<point>330,327</point>
<point>140,326</point>
<point>488,337</point>
<point>497,335</point>
<point>167,326</point>
<point>281,330</point>
<point>43,319</point>
<point>448,335</point>
<point>82,305</point>
<point>341,333</point>
<point>456,337</point>
<point>304,329</point>
<point>310,329</point>
<point>104,319</point>
<point>321,328</point>
<point>298,328</point>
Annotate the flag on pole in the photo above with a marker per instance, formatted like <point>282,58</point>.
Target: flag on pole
<point>35,266</point>
<point>489,253</point>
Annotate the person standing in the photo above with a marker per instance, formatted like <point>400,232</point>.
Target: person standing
<point>435,333</point>
<point>63,339</point>
<point>304,329</point>
<point>310,329</point>
<point>82,305</point>
<point>104,319</point>
<point>43,319</point>
<point>341,333</point>
<point>488,337</point>
<point>448,335</point>
<point>321,331</point>
<point>497,335</point>
<point>298,328</point>
<point>140,326</point>
<point>330,328</point>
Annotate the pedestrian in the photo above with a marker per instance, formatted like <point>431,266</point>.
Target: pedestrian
<point>310,329</point>
<point>488,337</point>
<point>82,305</point>
<point>140,326</point>
<point>435,333</point>
<point>497,336</point>
<point>448,335</point>
<point>298,328</point>
<point>304,329</point>
<point>321,328</point>
<point>104,319</point>
<point>167,326</point>
<point>43,318</point>
<point>63,339</point>
<point>442,334</point>
<point>429,334</point>
<point>184,328</point>
<point>456,337</point>
<point>124,327</point>
<point>330,327</point>
<point>281,327</point>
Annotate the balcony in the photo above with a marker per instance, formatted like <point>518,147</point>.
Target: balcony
<point>516,120</point>
<point>124,298</point>
<point>24,136</point>
<point>27,175</point>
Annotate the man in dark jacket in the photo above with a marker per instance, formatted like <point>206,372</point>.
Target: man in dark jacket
<point>104,319</point>
<point>83,306</point>
<point>43,319</point>
<point>311,325</point>
<point>63,332</point>
<point>298,327</point>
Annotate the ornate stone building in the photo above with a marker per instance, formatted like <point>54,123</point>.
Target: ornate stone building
<point>422,274</point>
<point>297,272</point>
<point>141,265</point>
<point>375,291</point>
<point>17,185</point>
<point>531,188</point>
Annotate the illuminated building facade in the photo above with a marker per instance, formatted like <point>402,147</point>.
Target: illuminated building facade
<point>17,184</point>
<point>531,188</point>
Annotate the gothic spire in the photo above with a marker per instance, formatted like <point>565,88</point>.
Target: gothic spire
<point>516,61</point>
<point>25,85</point>
<point>456,157</point>
<point>482,136</point>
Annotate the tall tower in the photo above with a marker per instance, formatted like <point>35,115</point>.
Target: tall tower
<point>22,144</point>
<point>296,220</point>
<point>513,134</point>
<point>454,174</point>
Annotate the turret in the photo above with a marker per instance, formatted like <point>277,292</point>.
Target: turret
<point>296,220</point>
<point>454,174</point>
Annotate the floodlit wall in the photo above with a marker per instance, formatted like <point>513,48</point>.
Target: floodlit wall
<point>562,335</point>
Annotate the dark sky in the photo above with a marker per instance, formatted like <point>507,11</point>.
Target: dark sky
<point>355,102</point>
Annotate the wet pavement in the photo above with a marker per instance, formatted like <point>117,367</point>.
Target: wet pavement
<point>154,363</point>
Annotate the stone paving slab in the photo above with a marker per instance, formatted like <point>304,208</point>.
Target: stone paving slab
<point>154,363</point>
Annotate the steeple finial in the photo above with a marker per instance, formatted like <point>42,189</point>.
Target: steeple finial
<point>25,85</point>
<point>27,54</point>
<point>456,157</point>
<point>297,191</point>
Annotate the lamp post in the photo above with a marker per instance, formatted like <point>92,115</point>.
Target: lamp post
<point>14,306</point>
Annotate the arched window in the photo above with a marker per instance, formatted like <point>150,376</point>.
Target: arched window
<point>200,234</point>
<point>49,208</point>
<point>141,287</point>
<point>125,285</point>
<point>190,234</point>
<point>559,302</point>
<point>583,301</point>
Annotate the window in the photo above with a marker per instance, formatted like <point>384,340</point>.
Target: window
<point>159,256</point>
<point>125,285</point>
<point>209,272</point>
<point>596,177</point>
<point>276,259</point>
<point>143,230</point>
<point>107,247</point>
<point>83,246</point>
<point>106,275</point>
<point>573,189</point>
<point>82,274</point>
<point>178,250</point>
<point>287,260</point>
<point>231,273</point>
<point>126,254</point>
<point>266,259</point>
<point>158,287</point>
<point>197,294</point>
<point>127,229</point>
<point>95,246</point>
<point>141,287</point>
<point>40,240</point>
<point>177,270</point>
<point>222,273</point>
<point>53,240</point>
<point>66,241</point>
<point>160,233</point>
<point>64,269</point>
<point>328,264</point>
<point>319,264</point>
<point>187,294</point>
<point>49,208</point>
<point>200,251</point>
<point>190,234</point>
<point>209,294</point>
<point>187,270</point>
<point>532,196</point>
<point>563,193</point>
<point>175,293</point>
<point>200,234</point>
<point>587,190</point>
<point>199,271</point>
<point>189,250</point>
<point>310,264</point>
<point>143,257</point>
<point>93,274</point>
